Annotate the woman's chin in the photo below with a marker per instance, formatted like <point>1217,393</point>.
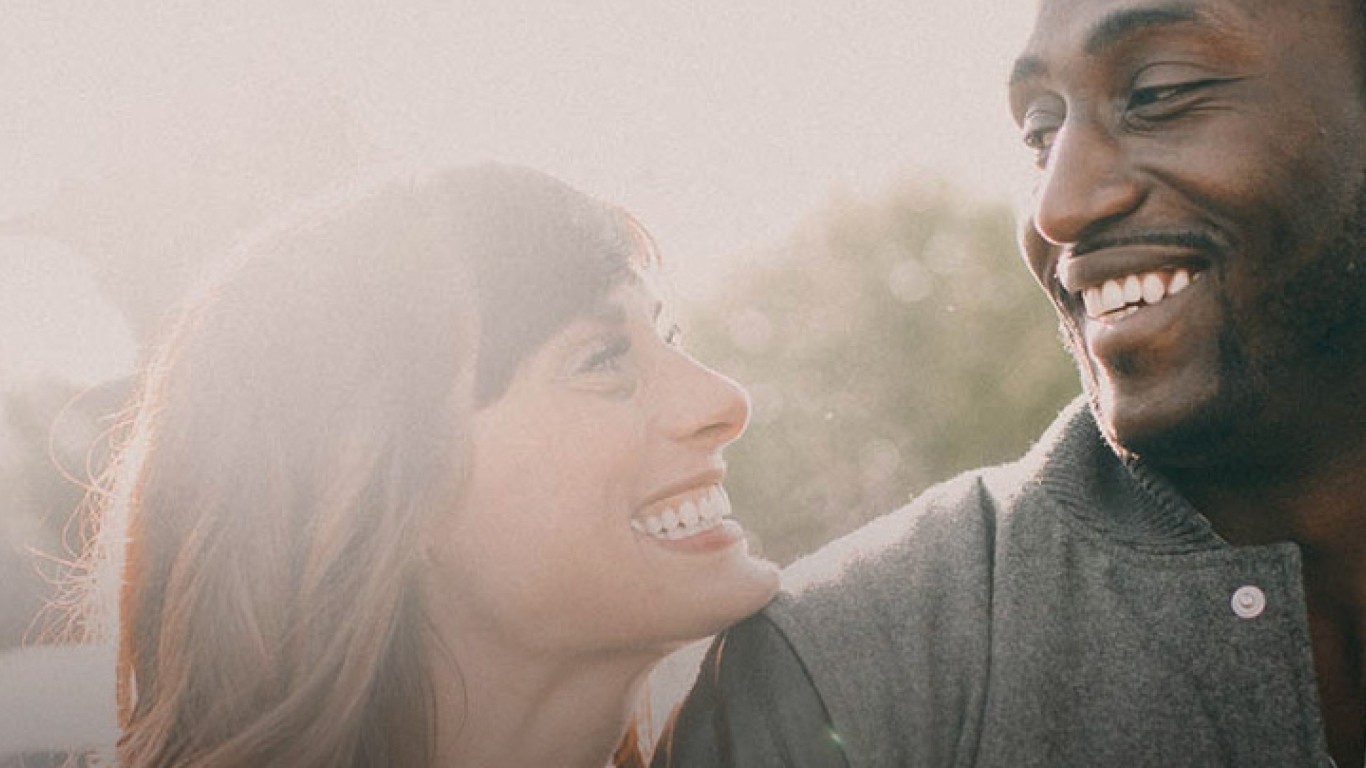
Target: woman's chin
<point>742,588</point>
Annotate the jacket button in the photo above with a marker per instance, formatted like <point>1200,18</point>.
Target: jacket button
<point>1248,602</point>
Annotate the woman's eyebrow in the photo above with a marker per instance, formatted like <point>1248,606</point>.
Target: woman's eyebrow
<point>611,312</point>
<point>606,313</point>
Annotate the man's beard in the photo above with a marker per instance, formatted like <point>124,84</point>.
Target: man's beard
<point>1310,332</point>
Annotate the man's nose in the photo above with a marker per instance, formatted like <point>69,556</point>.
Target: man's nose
<point>1087,182</point>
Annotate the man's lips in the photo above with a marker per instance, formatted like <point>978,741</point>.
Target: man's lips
<point>1120,297</point>
<point>1115,276</point>
<point>1078,273</point>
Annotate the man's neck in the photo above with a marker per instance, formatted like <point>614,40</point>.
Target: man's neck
<point>1319,504</point>
<point>1322,508</point>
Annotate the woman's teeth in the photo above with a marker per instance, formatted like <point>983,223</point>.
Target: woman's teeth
<point>687,519</point>
<point>1130,293</point>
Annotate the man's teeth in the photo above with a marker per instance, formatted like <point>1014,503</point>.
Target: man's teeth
<point>1129,293</point>
<point>687,519</point>
<point>1133,290</point>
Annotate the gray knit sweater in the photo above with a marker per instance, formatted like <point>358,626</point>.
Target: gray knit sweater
<point>1065,610</point>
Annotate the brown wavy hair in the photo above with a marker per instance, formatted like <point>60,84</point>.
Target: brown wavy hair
<point>298,428</point>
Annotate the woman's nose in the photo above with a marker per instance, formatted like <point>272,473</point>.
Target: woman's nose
<point>703,405</point>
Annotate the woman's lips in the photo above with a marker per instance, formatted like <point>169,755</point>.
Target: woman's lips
<point>686,517</point>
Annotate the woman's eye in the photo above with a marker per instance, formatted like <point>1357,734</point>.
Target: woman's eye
<point>607,356</point>
<point>673,335</point>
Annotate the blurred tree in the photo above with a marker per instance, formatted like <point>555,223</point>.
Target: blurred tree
<point>162,194</point>
<point>892,343</point>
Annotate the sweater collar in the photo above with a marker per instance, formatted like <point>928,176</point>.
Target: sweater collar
<point>1124,499</point>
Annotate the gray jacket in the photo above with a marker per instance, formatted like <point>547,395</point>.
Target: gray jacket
<point>1064,610</point>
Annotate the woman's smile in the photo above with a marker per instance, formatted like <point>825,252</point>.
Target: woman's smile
<point>681,517</point>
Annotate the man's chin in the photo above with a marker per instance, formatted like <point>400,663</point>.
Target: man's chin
<point>1176,435</point>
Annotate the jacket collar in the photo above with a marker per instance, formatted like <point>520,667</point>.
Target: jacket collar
<point>1123,499</point>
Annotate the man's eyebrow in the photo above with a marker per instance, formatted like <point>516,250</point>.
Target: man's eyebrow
<point>1119,24</point>
<point>1110,30</point>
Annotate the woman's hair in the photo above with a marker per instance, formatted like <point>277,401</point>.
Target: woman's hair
<point>296,430</point>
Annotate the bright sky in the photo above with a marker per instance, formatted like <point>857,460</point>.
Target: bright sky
<point>721,123</point>
<point>53,320</point>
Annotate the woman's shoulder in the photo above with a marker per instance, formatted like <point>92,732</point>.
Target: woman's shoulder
<point>948,526</point>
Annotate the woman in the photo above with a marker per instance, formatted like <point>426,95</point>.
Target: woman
<point>425,480</point>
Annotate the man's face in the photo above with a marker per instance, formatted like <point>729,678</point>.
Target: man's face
<point>1198,220</point>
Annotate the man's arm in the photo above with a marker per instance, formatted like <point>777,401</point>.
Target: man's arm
<point>753,705</point>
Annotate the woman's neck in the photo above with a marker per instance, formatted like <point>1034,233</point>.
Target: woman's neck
<point>496,707</point>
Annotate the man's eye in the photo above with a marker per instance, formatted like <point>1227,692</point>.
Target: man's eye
<point>1039,127</point>
<point>1164,96</point>
<point>1143,97</point>
<point>1041,141</point>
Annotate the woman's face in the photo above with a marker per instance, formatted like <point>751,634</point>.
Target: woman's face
<point>593,516</point>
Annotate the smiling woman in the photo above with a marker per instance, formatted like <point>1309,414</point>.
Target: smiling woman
<point>425,479</point>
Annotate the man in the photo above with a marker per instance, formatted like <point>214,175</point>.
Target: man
<point>1176,573</point>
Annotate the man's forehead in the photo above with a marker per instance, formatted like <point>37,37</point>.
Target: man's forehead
<point>1090,27</point>
<point>1117,15</point>
<point>1098,22</point>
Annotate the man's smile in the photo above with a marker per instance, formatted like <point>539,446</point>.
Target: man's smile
<point>1111,280</point>
<point>1118,298</point>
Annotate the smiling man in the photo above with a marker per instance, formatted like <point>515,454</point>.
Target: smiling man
<point>1176,573</point>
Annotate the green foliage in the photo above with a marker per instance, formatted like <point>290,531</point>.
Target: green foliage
<point>892,343</point>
